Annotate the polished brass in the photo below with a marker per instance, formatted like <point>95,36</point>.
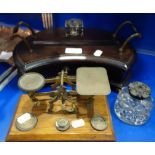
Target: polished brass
<point>134,29</point>
<point>62,124</point>
<point>21,23</point>
<point>124,24</point>
<point>61,78</point>
<point>90,106</point>
<point>31,82</point>
<point>99,123</point>
<point>127,40</point>
<point>139,90</point>
<point>24,40</point>
<point>27,125</point>
<point>59,92</point>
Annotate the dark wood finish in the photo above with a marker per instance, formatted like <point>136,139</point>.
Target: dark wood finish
<point>9,45</point>
<point>49,45</point>
<point>46,131</point>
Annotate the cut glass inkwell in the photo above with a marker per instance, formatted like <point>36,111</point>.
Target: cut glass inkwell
<point>134,103</point>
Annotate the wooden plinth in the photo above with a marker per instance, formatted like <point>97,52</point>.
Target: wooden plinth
<point>45,129</point>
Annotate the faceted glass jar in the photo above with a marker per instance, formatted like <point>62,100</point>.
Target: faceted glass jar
<point>131,110</point>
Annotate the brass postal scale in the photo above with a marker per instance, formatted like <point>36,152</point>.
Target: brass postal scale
<point>78,114</point>
<point>86,61</point>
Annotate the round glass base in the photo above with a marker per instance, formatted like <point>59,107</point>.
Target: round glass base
<point>131,110</point>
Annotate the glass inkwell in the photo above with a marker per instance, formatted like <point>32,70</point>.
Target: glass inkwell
<point>134,103</point>
<point>74,27</point>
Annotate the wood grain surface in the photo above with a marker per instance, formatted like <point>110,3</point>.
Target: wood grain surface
<point>45,129</point>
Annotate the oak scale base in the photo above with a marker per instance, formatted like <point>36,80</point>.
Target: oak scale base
<point>45,129</point>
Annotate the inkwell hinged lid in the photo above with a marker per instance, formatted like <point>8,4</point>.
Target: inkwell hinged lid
<point>139,90</point>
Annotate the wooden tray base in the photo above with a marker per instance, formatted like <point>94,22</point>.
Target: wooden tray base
<point>45,129</point>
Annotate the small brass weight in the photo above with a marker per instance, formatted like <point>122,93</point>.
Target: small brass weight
<point>32,82</point>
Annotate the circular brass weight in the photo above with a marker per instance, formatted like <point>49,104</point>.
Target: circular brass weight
<point>62,124</point>
<point>99,123</point>
<point>28,124</point>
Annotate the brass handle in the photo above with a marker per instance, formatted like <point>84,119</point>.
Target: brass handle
<point>122,25</point>
<point>21,23</point>
<point>136,34</point>
<point>127,40</point>
<point>23,39</point>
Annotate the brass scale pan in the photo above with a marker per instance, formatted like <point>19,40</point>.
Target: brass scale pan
<point>31,82</point>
